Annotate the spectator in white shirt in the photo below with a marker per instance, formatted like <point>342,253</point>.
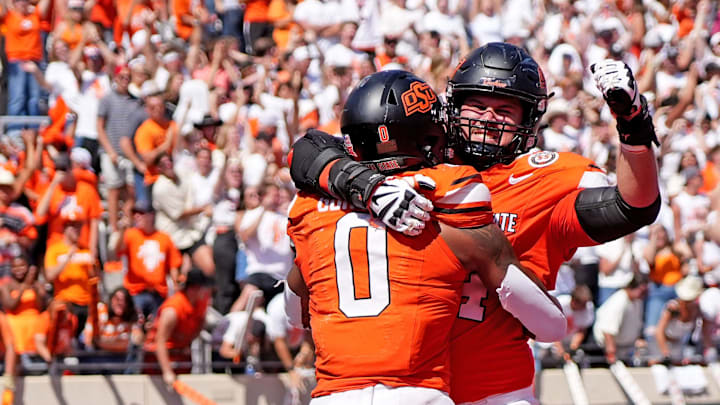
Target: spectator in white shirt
<point>710,310</point>
<point>617,264</point>
<point>177,215</point>
<point>619,321</point>
<point>267,246</point>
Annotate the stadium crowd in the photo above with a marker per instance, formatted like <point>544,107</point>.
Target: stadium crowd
<point>151,200</point>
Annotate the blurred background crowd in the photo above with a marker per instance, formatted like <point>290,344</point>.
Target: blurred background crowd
<point>144,183</point>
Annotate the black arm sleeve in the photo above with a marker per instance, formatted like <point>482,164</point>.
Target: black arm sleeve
<point>348,180</point>
<point>605,216</point>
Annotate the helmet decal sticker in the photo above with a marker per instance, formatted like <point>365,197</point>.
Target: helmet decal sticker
<point>419,98</point>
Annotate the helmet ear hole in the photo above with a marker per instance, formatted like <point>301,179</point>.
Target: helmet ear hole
<point>391,99</point>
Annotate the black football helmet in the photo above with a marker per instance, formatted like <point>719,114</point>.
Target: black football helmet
<point>391,122</point>
<point>503,69</point>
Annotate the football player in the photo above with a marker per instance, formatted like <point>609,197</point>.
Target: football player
<point>547,203</point>
<point>381,303</point>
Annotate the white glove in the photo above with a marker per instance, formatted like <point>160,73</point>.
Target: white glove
<point>397,204</point>
<point>618,86</point>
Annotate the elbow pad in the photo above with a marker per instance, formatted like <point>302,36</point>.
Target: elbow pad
<point>293,308</point>
<point>310,155</point>
<point>521,297</point>
<point>605,216</point>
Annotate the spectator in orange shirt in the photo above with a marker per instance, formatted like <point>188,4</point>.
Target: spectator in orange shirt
<point>388,53</point>
<point>69,268</point>
<point>180,320</point>
<point>23,44</point>
<point>189,15</point>
<point>156,136</point>
<point>17,224</point>
<point>23,299</point>
<point>257,23</point>
<point>66,195</point>
<point>102,14</point>
<point>119,330</point>
<point>70,30</point>
<point>151,256</point>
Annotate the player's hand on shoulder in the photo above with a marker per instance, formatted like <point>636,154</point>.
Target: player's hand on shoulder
<point>398,204</point>
<point>616,82</point>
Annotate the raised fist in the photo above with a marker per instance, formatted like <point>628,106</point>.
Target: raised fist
<point>618,86</point>
<point>620,90</point>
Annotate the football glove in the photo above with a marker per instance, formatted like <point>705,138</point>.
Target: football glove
<point>397,204</point>
<point>617,84</point>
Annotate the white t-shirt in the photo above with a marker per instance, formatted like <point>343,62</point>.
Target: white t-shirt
<point>559,141</point>
<point>711,257</point>
<point>576,320</point>
<point>277,326</point>
<point>693,209</point>
<point>486,28</point>
<point>622,275</point>
<point>269,250</point>
<point>341,55</point>
<point>620,317</point>
<point>666,83</point>
<point>203,187</point>
<point>85,102</point>
<point>710,305</point>
<point>254,165</point>
<point>61,78</point>
<point>442,23</point>
<point>170,201</point>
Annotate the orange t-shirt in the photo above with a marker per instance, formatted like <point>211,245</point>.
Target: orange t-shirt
<point>149,136</point>
<point>257,11</point>
<point>24,321</point>
<point>83,199</point>
<point>73,283</point>
<point>667,269</point>
<point>48,21</point>
<point>122,8</point>
<point>685,19</point>
<point>150,258</point>
<point>103,13</point>
<point>190,320</point>
<point>277,10</point>
<point>534,204</point>
<point>182,8</point>
<point>111,329</point>
<point>382,59</point>
<point>711,177</point>
<point>401,294</point>
<point>22,36</point>
<point>72,35</point>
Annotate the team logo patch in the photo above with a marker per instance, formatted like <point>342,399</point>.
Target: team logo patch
<point>543,158</point>
<point>419,98</point>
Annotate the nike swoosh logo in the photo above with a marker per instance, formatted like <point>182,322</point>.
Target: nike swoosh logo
<point>515,180</point>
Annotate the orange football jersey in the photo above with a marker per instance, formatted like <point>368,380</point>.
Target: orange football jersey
<point>382,304</point>
<point>534,203</point>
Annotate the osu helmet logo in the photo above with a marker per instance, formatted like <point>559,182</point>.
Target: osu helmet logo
<point>419,98</point>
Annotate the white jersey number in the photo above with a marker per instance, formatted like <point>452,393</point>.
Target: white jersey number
<point>377,263</point>
<point>473,295</point>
